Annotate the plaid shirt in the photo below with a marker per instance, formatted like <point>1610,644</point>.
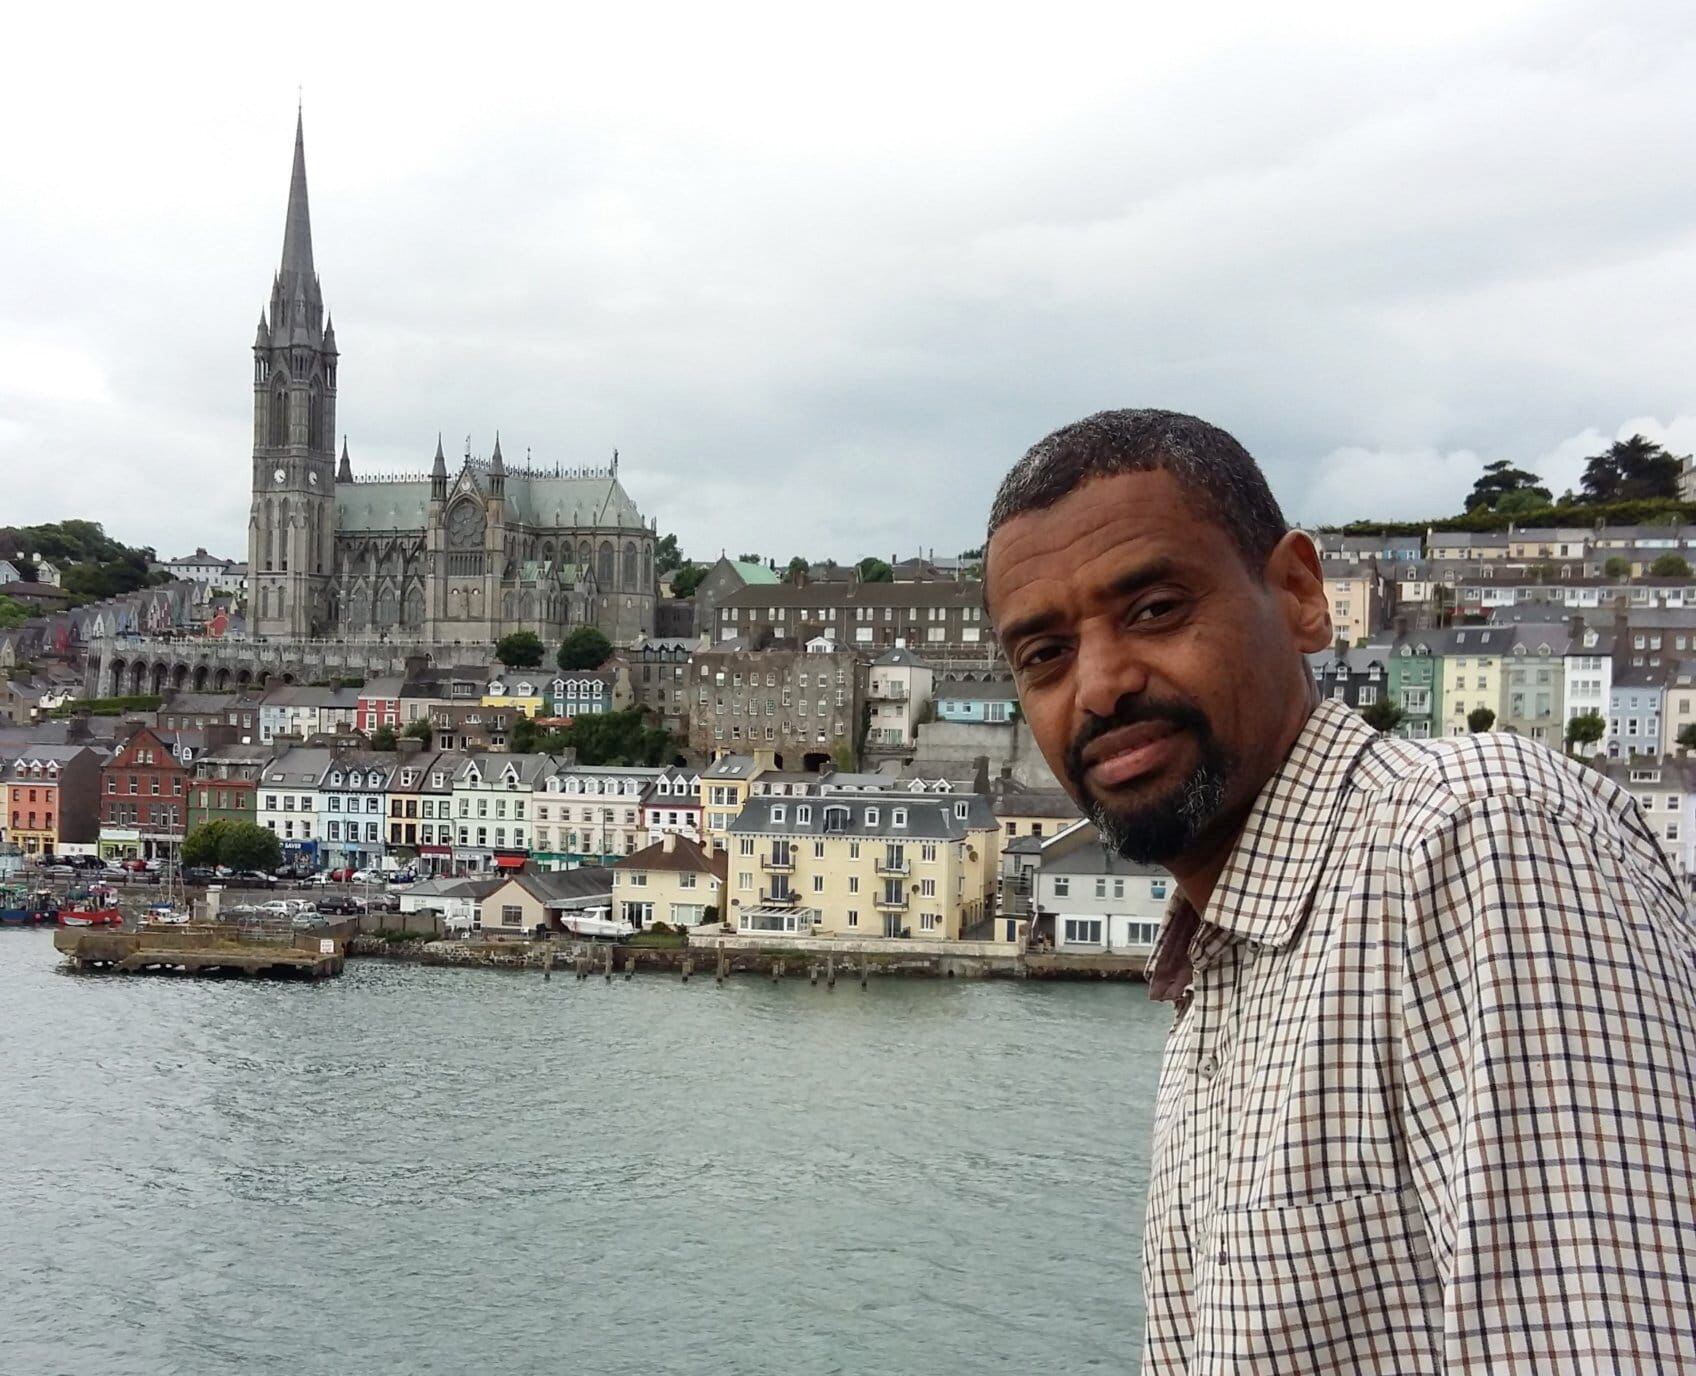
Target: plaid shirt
<point>1429,1103</point>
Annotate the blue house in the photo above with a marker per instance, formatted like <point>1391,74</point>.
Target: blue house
<point>990,703</point>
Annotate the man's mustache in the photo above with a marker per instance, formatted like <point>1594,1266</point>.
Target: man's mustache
<point>1129,711</point>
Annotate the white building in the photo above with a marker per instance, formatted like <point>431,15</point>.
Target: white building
<point>590,814</point>
<point>221,575</point>
<point>1091,899</point>
<point>300,710</point>
<point>672,804</point>
<point>1665,788</point>
<point>1588,670</point>
<point>492,800</point>
<point>353,803</point>
<point>897,693</point>
<point>288,803</point>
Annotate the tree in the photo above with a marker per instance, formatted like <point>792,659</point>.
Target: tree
<point>240,845</point>
<point>584,648</point>
<point>1616,566</point>
<point>419,731</point>
<point>797,565</point>
<point>1585,729</point>
<point>750,558</point>
<point>12,613</point>
<point>1631,470</point>
<point>205,843</point>
<point>667,556</point>
<point>1480,719</point>
<point>1501,480</point>
<point>622,738</point>
<point>874,570</point>
<point>687,579</point>
<point>249,847</point>
<point>520,650</point>
<point>522,739</point>
<point>383,738</point>
<point>1382,715</point>
<point>1670,566</point>
<point>1523,502</point>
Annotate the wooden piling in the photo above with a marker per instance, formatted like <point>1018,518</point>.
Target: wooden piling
<point>813,974</point>
<point>629,966</point>
<point>776,970</point>
<point>723,964</point>
<point>862,969</point>
<point>830,972</point>
<point>688,966</point>
<point>547,964</point>
<point>609,965</point>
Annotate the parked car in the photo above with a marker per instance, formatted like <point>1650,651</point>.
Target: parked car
<point>306,921</point>
<point>135,865</point>
<point>199,874</point>
<point>256,879</point>
<point>85,862</point>
<point>338,905</point>
<point>403,877</point>
<point>384,903</point>
<point>367,876</point>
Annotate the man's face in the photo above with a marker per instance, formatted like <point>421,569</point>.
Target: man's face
<point>1162,679</point>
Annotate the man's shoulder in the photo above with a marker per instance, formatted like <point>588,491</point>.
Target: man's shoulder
<point>1428,784</point>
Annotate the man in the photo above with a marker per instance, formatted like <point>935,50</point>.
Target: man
<point>1429,1101</point>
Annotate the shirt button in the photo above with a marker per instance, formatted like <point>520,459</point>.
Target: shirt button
<point>1210,1066</point>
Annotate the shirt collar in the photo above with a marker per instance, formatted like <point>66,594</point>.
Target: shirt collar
<point>1263,892</point>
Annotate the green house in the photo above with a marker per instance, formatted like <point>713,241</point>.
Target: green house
<point>1416,684</point>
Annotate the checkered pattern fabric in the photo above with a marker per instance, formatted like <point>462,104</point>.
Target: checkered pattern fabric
<point>1429,1102</point>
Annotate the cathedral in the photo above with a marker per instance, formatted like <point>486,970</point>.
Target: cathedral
<point>441,557</point>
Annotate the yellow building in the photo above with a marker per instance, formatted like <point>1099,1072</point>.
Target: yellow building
<point>1359,597</point>
<point>1039,812</point>
<point>1472,673</point>
<point>725,787</point>
<point>863,865</point>
<point>523,690</point>
<point>673,881</point>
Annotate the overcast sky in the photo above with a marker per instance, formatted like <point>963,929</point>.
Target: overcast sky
<point>822,275</point>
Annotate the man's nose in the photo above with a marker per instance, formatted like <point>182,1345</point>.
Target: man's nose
<point>1108,669</point>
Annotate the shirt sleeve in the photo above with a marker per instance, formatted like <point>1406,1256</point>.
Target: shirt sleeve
<point>1549,1091</point>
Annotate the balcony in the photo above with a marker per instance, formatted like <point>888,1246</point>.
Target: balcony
<point>891,692</point>
<point>894,869</point>
<point>781,898</point>
<point>891,902</point>
<point>778,864</point>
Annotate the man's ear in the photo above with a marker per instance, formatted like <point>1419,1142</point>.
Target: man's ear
<point>1293,574</point>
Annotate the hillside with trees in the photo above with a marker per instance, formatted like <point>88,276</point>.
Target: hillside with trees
<point>92,565</point>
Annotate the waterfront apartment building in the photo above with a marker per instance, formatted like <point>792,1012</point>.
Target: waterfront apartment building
<point>143,799</point>
<point>293,709</point>
<point>672,803</point>
<point>225,785</point>
<point>1089,898</point>
<point>1587,679</point>
<point>51,796</point>
<point>377,703</point>
<point>288,802</point>
<point>863,865</point>
<point>353,807</point>
<point>420,795</point>
<point>1636,710</point>
<point>726,785</point>
<point>803,703</point>
<point>1359,596</point>
<point>589,814</point>
<point>492,800</point>
<point>672,881</point>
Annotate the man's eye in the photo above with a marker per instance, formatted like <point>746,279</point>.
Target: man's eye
<point>1039,655</point>
<point>1153,611</point>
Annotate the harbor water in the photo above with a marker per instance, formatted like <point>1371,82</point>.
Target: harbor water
<point>433,1170</point>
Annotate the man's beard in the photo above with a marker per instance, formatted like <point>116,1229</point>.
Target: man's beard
<point>1162,829</point>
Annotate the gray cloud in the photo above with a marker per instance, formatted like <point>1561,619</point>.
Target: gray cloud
<point>821,280</point>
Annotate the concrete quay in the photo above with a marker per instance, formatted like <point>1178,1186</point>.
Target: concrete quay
<point>200,950</point>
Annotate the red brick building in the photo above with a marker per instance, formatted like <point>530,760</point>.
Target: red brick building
<point>143,799</point>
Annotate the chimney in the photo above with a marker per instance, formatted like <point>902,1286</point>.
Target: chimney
<point>668,843</point>
<point>408,745</point>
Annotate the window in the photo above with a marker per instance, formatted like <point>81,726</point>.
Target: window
<point>1062,887</point>
<point>1157,888</point>
<point>512,915</point>
<point>1084,930</point>
<point>853,917</point>
<point>1101,888</point>
<point>746,846</point>
<point>818,883</point>
<point>898,817</point>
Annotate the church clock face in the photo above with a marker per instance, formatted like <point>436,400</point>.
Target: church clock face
<point>312,478</point>
<point>465,527</point>
<point>280,476</point>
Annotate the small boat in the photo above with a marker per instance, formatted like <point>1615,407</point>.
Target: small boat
<point>95,908</point>
<point>21,908</point>
<point>594,923</point>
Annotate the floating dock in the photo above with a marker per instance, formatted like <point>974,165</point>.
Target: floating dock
<point>203,950</point>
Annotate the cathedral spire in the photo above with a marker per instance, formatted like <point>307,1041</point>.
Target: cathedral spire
<point>297,228</point>
<point>496,465</point>
<point>344,474</point>
<point>439,473</point>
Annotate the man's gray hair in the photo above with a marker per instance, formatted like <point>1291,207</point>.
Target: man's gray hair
<point>1219,476</point>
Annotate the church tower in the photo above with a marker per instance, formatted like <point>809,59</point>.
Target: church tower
<point>291,526</point>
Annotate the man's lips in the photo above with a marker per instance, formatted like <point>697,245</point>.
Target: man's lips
<point>1127,752</point>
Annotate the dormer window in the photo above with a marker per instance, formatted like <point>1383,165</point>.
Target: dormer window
<point>336,779</point>
<point>803,815</point>
<point>898,817</point>
<point>962,810</point>
<point>437,780</point>
<point>778,812</point>
<point>871,816</point>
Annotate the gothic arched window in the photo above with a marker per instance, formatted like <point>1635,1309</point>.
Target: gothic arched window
<point>315,418</point>
<point>603,565</point>
<point>629,564</point>
<point>280,413</point>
